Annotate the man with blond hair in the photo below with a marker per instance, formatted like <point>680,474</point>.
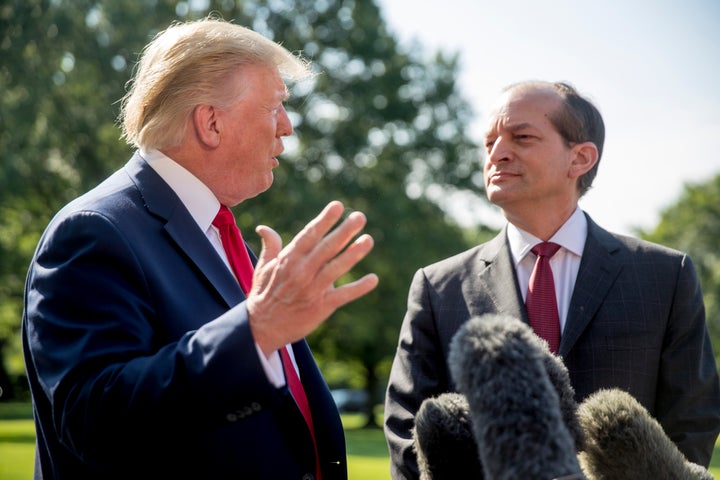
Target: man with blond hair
<point>151,350</point>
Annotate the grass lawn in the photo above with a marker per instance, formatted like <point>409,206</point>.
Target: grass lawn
<point>17,449</point>
<point>367,451</point>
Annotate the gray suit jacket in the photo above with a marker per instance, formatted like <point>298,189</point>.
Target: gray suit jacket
<point>636,321</point>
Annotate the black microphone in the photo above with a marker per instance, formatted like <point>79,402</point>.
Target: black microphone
<point>624,441</point>
<point>499,364</point>
<point>443,439</point>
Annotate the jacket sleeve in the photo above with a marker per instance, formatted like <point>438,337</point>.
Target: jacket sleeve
<point>108,358</point>
<point>418,372</point>
<point>688,400</point>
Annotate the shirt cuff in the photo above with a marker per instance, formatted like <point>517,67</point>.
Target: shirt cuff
<point>272,366</point>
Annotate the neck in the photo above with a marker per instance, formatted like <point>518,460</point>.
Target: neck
<point>542,224</point>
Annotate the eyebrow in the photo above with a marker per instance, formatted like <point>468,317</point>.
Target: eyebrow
<point>512,128</point>
<point>519,126</point>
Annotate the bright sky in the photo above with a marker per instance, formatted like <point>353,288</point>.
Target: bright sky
<point>651,66</point>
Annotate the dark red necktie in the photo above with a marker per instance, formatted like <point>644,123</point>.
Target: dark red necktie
<point>241,265</point>
<point>541,301</point>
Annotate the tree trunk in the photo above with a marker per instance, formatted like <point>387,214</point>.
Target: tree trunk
<point>7,392</point>
<point>371,382</point>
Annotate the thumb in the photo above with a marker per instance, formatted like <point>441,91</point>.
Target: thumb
<point>271,245</point>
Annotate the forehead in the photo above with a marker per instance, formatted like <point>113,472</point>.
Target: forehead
<point>258,80</point>
<point>524,106</point>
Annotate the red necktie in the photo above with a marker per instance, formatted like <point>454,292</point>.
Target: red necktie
<point>234,247</point>
<point>541,302</point>
<point>298,393</point>
<point>242,266</point>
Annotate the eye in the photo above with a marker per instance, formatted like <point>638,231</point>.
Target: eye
<point>489,144</point>
<point>522,137</point>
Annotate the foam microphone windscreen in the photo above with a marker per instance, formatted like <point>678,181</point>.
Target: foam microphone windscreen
<point>560,379</point>
<point>624,441</point>
<point>496,363</point>
<point>443,439</point>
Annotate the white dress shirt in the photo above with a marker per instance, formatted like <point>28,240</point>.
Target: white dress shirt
<point>565,263</point>
<point>203,207</point>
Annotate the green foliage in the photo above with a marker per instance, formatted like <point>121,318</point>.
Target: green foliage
<point>692,225</point>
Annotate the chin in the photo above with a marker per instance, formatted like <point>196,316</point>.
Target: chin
<point>263,186</point>
<point>496,197</point>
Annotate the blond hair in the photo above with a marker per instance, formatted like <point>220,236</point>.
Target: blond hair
<point>187,65</point>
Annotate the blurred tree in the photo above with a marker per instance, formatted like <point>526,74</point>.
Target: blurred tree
<point>64,66</point>
<point>692,225</point>
<point>381,129</point>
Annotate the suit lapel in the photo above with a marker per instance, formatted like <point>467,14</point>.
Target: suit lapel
<point>599,267</point>
<point>498,278</point>
<point>161,201</point>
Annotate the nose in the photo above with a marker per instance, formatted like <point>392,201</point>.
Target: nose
<point>284,125</point>
<point>499,151</point>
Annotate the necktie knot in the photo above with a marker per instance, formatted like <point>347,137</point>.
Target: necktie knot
<point>545,249</point>
<point>224,217</point>
<point>234,247</point>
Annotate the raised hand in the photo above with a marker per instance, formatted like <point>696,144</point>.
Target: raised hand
<point>294,287</point>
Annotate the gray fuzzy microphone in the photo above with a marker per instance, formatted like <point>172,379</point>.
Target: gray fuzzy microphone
<point>443,439</point>
<point>624,441</point>
<point>499,364</point>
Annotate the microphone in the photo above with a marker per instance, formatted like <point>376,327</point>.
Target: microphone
<point>443,439</point>
<point>514,416</point>
<point>499,364</point>
<point>624,441</point>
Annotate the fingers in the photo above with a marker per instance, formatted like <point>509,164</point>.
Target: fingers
<point>294,287</point>
<point>336,240</point>
<point>342,264</point>
<point>327,256</point>
<point>318,227</point>
<point>352,291</point>
<point>335,267</point>
<point>317,245</point>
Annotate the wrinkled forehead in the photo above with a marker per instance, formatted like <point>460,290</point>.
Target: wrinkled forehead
<point>532,105</point>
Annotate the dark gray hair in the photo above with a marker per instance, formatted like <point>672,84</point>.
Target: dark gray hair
<point>577,120</point>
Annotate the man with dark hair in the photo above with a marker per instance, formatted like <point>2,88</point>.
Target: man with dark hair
<point>620,312</point>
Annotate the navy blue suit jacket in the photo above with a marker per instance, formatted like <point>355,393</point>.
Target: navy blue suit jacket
<point>140,358</point>
<point>636,321</point>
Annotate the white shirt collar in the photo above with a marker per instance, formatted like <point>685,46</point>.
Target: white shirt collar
<point>195,195</point>
<point>571,236</point>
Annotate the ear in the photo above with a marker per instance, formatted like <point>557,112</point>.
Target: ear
<point>584,158</point>
<point>206,123</point>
